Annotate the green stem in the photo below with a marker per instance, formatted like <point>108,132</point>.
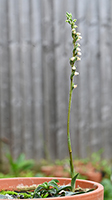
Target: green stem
<point>68,130</point>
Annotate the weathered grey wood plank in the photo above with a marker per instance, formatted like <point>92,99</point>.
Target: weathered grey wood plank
<point>95,77</point>
<point>16,105</point>
<point>62,76</point>
<point>106,75</point>
<point>5,134</point>
<point>36,53</point>
<point>48,67</point>
<point>84,97</point>
<point>26,73</point>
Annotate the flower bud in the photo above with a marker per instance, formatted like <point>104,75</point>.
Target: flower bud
<point>72,60</point>
<point>79,54</point>
<point>78,58</point>
<point>79,37</point>
<point>76,73</point>
<point>78,49</point>
<point>74,20</point>
<point>78,44</point>
<point>75,86</point>
<point>73,30</point>
<point>78,33</point>
<point>74,68</point>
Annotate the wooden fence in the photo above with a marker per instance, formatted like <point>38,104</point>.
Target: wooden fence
<point>35,47</point>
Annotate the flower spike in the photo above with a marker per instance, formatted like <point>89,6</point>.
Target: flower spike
<point>76,52</point>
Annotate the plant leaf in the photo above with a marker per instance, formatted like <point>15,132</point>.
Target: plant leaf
<point>69,193</point>
<point>53,183</point>
<point>73,182</point>
<point>63,187</point>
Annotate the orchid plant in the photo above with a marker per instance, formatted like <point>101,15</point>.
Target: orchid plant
<point>57,191</point>
<point>76,36</point>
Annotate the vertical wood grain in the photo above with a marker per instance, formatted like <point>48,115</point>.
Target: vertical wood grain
<point>62,76</point>
<point>48,78</point>
<point>95,77</point>
<point>36,52</point>
<point>26,73</point>
<point>84,96</point>
<point>106,75</point>
<point>5,133</point>
<point>15,79</point>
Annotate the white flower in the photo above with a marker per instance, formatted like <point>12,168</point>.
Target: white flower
<point>76,73</point>
<point>78,49</point>
<point>79,54</point>
<point>72,58</point>
<point>75,86</point>
<point>79,34</point>
<point>74,68</point>
<point>79,37</point>
<point>73,30</point>
<point>78,58</point>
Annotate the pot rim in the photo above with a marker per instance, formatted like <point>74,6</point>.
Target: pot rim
<point>98,186</point>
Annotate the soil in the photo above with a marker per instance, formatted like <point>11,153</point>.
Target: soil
<point>87,170</point>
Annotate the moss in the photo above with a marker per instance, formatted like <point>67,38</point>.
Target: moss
<point>13,193</point>
<point>26,196</point>
<point>8,192</point>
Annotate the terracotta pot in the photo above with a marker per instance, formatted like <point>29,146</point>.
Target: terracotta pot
<point>86,170</point>
<point>89,171</point>
<point>47,170</point>
<point>55,171</point>
<point>97,194</point>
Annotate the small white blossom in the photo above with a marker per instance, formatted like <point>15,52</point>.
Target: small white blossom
<point>75,86</point>
<point>78,58</point>
<point>79,34</point>
<point>74,68</point>
<point>72,58</point>
<point>79,54</point>
<point>76,73</point>
<point>73,30</point>
<point>79,38</point>
<point>78,49</point>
